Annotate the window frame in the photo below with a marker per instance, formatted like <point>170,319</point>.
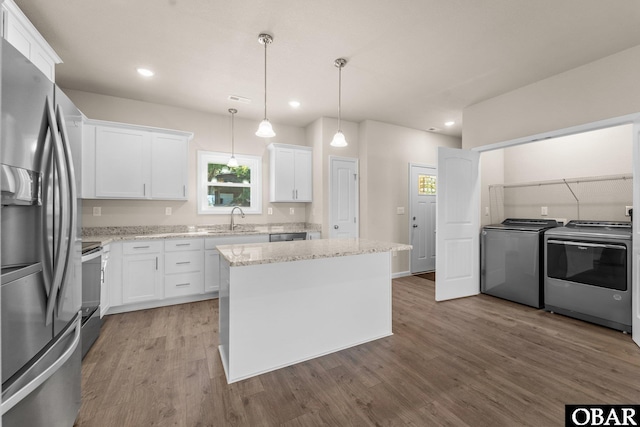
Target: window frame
<point>253,162</point>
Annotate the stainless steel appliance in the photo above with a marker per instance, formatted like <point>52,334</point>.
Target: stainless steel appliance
<point>40,255</point>
<point>588,272</point>
<point>91,287</point>
<point>511,260</point>
<point>287,237</point>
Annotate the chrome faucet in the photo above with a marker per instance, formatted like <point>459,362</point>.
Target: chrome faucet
<point>233,226</point>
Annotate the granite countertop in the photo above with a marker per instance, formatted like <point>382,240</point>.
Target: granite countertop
<point>106,235</point>
<point>267,253</point>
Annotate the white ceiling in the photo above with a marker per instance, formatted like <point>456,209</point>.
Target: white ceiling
<point>414,63</point>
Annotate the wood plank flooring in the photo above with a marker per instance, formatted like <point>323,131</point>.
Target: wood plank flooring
<point>477,361</point>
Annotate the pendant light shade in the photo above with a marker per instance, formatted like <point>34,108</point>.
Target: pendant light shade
<point>265,130</point>
<point>232,163</point>
<point>338,139</point>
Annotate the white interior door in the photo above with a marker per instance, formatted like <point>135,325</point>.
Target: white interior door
<point>422,218</point>
<point>635,273</point>
<point>343,199</point>
<point>457,224</point>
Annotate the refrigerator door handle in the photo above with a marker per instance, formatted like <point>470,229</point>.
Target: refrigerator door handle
<point>71,203</point>
<point>61,247</point>
<point>15,398</point>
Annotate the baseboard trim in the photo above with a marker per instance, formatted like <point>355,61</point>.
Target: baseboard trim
<point>160,303</point>
<point>400,274</point>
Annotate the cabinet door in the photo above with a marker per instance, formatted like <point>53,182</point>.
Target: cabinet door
<point>283,175</point>
<point>122,163</point>
<point>211,270</point>
<point>303,176</point>
<point>169,166</point>
<point>104,281</point>
<point>142,278</point>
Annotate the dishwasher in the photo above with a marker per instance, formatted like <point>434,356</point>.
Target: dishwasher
<point>287,237</point>
<point>511,260</point>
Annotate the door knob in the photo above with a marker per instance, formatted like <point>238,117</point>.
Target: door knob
<point>415,225</point>
<point>336,227</point>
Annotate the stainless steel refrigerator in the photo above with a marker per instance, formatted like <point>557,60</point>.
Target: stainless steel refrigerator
<point>40,248</point>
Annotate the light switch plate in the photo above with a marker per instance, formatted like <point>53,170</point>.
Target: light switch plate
<point>97,211</point>
<point>400,210</point>
<point>269,211</point>
<point>627,209</point>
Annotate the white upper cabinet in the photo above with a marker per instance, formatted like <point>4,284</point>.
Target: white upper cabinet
<point>169,166</point>
<point>123,161</point>
<point>291,174</point>
<point>20,32</point>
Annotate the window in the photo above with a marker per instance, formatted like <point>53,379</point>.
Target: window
<point>220,187</point>
<point>426,185</point>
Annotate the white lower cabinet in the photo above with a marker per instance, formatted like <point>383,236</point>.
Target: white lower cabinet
<point>142,278</point>
<point>183,268</point>
<point>211,270</point>
<point>144,274</point>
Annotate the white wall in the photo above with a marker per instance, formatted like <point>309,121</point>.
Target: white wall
<point>601,153</point>
<point>212,133</point>
<point>599,90</point>
<point>385,153</point>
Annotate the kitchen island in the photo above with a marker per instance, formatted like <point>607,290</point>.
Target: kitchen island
<point>283,303</point>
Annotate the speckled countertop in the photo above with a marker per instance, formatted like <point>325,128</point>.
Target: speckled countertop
<point>267,253</point>
<point>106,235</point>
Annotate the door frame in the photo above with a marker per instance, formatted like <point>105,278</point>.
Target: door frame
<point>633,119</point>
<point>356,162</point>
<point>409,227</point>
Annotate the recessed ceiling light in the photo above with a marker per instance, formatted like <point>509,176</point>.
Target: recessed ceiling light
<point>449,123</point>
<point>145,72</point>
<point>294,104</point>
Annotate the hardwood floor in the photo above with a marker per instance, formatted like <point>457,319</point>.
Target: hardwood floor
<point>477,361</point>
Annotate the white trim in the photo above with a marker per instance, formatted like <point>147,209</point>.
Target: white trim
<point>600,124</point>
<point>635,254</point>
<point>130,126</point>
<point>206,157</point>
<point>125,308</point>
<point>399,274</point>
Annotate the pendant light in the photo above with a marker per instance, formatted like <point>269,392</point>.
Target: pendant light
<point>265,130</point>
<point>232,163</point>
<point>339,139</point>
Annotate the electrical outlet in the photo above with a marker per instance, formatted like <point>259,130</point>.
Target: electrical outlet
<point>97,211</point>
<point>627,209</point>
<point>544,210</point>
<point>269,211</point>
<point>395,253</point>
<point>400,210</point>
<point>486,211</point>
<point>291,211</point>
<point>167,211</point>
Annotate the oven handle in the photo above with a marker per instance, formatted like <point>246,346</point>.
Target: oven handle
<point>92,255</point>
<point>587,245</point>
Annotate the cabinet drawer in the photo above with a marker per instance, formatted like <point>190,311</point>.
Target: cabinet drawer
<point>183,262</point>
<point>172,245</point>
<point>142,247</point>
<point>183,284</point>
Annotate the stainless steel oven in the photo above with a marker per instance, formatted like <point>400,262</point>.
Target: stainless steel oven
<point>588,272</point>
<point>91,287</point>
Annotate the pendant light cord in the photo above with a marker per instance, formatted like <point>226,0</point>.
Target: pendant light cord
<point>339,98</point>
<point>265,80</point>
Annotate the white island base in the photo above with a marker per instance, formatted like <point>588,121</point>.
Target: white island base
<point>278,314</point>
